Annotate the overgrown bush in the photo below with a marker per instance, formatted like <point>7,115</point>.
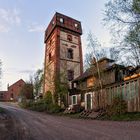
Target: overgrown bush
<point>117,107</point>
<point>46,104</point>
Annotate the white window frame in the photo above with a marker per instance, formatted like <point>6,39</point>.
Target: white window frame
<point>91,94</point>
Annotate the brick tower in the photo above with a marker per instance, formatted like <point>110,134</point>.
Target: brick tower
<point>63,51</point>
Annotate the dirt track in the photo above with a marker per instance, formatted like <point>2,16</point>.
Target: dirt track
<point>29,125</point>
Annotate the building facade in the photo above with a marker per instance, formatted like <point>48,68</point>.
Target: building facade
<point>116,80</point>
<point>63,51</point>
<point>13,91</point>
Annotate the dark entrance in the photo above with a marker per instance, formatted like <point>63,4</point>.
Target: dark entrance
<point>89,102</point>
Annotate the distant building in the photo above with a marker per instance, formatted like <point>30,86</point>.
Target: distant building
<point>13,91</point>
<point>63,51</point>
<point>2,95</point>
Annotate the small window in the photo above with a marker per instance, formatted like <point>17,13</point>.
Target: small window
<point>76,25</point>
<point>50,42</point>
<point>53,23</point>
<point>50,57</point>
<point>70,75</point>
<point>61,20</point>
<point>70,53</point>
<point>69,37</point>
<point>74,85</point>
<point>74,100</point>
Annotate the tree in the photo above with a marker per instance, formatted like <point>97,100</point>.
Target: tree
<point>61,91</point>
<point>94,53</point>
<point>37,81</point>
<point>94,50</point>
<point>0,72</point>
<point>27,91</point>
<point>123,18</point>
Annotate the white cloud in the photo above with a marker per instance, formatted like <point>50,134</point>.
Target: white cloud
<point>8,17</point>
<point>4,29</point>
<point>36,28</point>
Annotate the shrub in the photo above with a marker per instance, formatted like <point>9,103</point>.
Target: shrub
<point>48,97</point>
<point>117,107</point>
<point>54,108</point>
<point>45,104</point>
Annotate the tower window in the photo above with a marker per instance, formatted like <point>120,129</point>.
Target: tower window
<point>50,41</point>
<point>70,75</point>
<point>61,20</point>
<point>69,37</point>
<point>70,53</point>
<point>50,57</point>
<point>76,25</point>
<point>53,23</point>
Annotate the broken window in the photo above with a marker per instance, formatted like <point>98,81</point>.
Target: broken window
<point>70,75</point>
<point>70,53</point>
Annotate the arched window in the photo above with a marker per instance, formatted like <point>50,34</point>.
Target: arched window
<point>69,37</point>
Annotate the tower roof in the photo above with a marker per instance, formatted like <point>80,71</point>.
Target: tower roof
<point>65,22</point>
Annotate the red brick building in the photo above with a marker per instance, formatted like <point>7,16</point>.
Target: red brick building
<point>13,91</point>
<point>63,51</point>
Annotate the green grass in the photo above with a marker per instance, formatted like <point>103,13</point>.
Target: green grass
<point>135,116</point>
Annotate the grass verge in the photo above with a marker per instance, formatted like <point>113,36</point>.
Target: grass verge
<point>135,116</point>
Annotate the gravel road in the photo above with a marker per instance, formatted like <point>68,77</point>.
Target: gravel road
<point>29,125</point>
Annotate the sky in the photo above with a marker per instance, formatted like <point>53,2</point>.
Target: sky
<point>22,26</point>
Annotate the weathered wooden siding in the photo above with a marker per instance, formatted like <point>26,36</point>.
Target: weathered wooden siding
<point>129,90</point>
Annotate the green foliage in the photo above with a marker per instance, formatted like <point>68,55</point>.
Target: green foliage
<point>27,91</point>
<point>37,81</point>
<point>46,104</point>
<point>123,18</point>
<point>117,107</point>
<point>61,92</point>
<point>48,99</point>
<point>129,116</point>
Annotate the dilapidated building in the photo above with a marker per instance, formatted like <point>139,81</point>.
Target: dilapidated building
<point>63,52</point>
<point>95,90</point>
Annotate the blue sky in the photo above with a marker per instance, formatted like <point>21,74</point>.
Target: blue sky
<point>22,26</point>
